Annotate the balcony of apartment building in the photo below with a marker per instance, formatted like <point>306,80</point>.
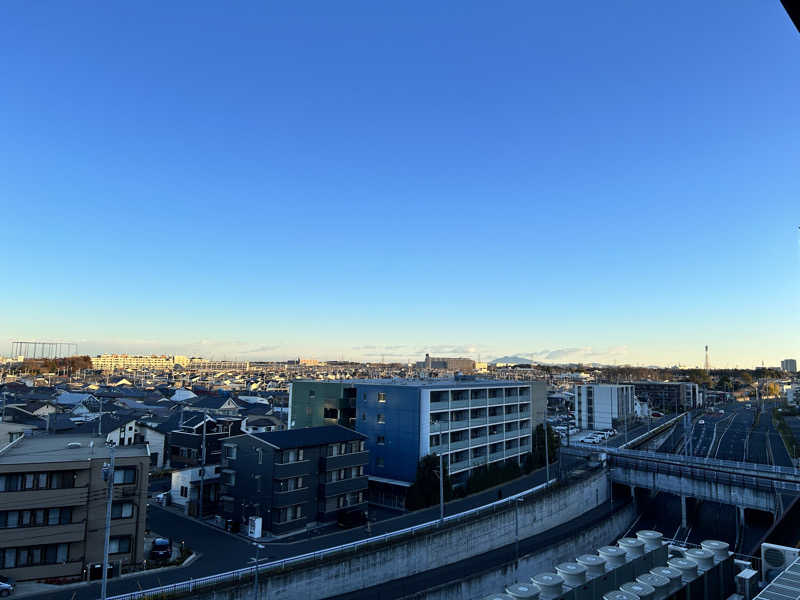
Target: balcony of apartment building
<point>511,395</point>
<point>437,444</point>
<point>459,399</point>
<point>524,394</point>
<point>511,413</point>
<point>459,440</point>
<point>459,461</point>
<point>477,398</point>
<point>511,447</point>
<point>355,454</point>
<point>525,443</point>
<point>511,430</point>
<point>478,436</point>
<point>349,482</point>
<point>477,416</point>
<point>496,452</point>
<point>478,457</point>
<point>495,396</point>
<point>440,400</point>
<point>524,411</point>
<point>496,414</point>
<point>524,427</point>
<point>496,433</point>
<point>459,419</point>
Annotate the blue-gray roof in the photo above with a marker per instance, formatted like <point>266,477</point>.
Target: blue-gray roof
<point>309,436</point>
<point>434,383</point>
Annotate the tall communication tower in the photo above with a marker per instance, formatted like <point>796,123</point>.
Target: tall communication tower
<point>706,358</point>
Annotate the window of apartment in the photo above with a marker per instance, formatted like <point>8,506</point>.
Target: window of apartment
<point>125,475</point>
<point>13,482</point>
<point>290,513</point>
<point>122,510</point>
<point>230,452</point>
<point>229,478</point>
<point>379,462</point>
<point>381,418</point>
<point>363,417</point>
<point>381,440</point>
<point>33,555</point>
<point>119,544</point>
<point>291,484</point>
<point>382,397</point>
<point>294,455</point>
<point>184,491</point>
<point>260,452</point>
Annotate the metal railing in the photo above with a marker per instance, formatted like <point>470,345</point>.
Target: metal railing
<point>247,573</point>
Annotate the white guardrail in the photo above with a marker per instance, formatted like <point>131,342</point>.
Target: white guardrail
<point>246,573</point>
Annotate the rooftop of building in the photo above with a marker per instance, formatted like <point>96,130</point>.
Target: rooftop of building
<point>62,448</point>
<point>309,436</point>
<point>443,383</point>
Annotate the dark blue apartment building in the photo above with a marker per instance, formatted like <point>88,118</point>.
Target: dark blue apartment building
<point>471,422</point>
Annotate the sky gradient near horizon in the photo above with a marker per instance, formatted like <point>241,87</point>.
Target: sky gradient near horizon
<point>607,182</point>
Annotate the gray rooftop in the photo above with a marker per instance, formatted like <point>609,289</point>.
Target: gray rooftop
<point>433,383</point>
<point>54,449</point>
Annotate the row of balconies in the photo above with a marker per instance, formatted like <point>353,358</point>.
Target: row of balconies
<point>438,405</point>
<point>444,426</point>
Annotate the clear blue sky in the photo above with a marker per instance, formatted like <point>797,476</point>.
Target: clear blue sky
<point>611,181</point>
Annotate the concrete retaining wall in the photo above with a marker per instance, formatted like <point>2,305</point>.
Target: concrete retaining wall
<point>495,580</point>
<point>375,564</point>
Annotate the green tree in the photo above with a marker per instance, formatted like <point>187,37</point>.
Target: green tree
<point>554,442</point>
<point>424,491</point>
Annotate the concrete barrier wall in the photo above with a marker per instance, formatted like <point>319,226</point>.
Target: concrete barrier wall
<point>375,564</point>
<point>495,580</point>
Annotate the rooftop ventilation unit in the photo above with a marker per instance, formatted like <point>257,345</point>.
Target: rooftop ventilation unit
<point>574,574</point>
<point>703,558</point>
<point>672,575</point>
<point>717,548</point>
<point>686,566</point>
<point>633,547</point>
<point>619,595</point>
<point>659,583</point>
<point>595,565</point>
<point>522,591</point>
<point>550,584</point>
<point>643,591</point>
<point>651,539</point>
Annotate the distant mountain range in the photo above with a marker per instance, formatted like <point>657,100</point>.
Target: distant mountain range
<point>516,360</point>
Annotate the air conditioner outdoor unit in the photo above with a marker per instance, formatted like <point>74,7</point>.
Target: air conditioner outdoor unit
<point>775,559</point>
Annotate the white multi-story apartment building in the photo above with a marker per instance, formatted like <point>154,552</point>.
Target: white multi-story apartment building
<point>601,405</point>
<point>111,362</point>
<point>793,394</point>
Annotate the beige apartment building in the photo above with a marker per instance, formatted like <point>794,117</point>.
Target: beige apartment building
<point>53,506</point>
<point>111,362</point>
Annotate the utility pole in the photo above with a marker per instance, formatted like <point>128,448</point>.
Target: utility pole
<point>441,489</point>
<point>108,477</point>
<point>546,451</point>
<point>259,547</point>
<point>203,464</point>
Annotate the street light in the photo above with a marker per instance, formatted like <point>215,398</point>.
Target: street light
<point>259,548</point>
<point>516,528</point>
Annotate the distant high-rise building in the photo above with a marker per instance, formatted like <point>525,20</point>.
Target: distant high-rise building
<point>447,364</point>
<point>789,365</point>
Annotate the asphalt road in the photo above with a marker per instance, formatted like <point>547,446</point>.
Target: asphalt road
<point>738,440</point>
